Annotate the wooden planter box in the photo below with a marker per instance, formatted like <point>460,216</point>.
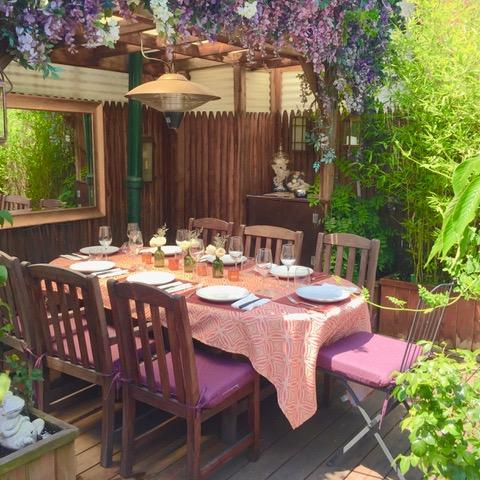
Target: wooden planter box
<point>460,327</point>
<point>52,458</point>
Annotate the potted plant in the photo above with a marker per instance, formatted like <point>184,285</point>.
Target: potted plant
<point>443,419</point>
<point>27,435</point>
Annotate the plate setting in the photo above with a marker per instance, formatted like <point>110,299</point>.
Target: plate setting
<point>325,293</point>
<point>226,259</point>
<point>151,278</point>
<point>92,266</point>
<point>222,293</point>
<point>99,250</point>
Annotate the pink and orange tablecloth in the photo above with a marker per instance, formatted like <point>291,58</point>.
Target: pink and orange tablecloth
<point>281,340</point>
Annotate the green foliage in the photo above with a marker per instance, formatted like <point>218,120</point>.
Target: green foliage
<point>22,377</point>
<point>5,216</point>
<point>434,91</point>
<point>38,155</point>
<point>444,419</point>
<point>361,216</point>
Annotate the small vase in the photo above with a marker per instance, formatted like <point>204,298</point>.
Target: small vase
<point>159,258</point>
<point>217,268</point>
<point>188,263</point>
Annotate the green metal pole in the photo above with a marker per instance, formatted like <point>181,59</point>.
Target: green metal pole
<point>134,161</point>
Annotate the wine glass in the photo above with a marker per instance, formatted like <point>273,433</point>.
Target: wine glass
<point>197,249</point>
<point>264,260</point>
<point>235,249</point>
<point>182,236</point>
<point>287,257</point>
<point>105,238</point>
<point>132,232</point>
<point>138,243</point>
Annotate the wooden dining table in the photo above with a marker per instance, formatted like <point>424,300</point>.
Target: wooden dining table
<point>281,339</point>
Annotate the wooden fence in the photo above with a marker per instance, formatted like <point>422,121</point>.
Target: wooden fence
<point>205,168</point>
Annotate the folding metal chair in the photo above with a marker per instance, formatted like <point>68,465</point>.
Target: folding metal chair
<point>370,360</point>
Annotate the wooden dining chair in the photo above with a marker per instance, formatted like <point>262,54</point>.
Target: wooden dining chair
<point>186,382</point>
<point>349,256</point>
<point>210,227</point>
<point>18,316</point>
<point>258,236</point>
<point>16,202</point>
<point>73,336</point>
<point>51,203</point>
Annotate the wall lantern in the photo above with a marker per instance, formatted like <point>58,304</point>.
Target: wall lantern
<point>3,110</point>
<point>172,94</point>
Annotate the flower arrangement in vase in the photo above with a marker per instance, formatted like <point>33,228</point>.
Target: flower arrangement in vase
<point>191,240</point>
<point>158,241</point>
<point>217,249</point>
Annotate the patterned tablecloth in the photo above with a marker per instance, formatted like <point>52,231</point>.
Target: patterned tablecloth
<point>281,340</point>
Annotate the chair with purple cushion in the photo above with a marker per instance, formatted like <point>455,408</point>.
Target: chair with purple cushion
<point>371,360</point>
<point>73,337</point>
<point>177,379</point>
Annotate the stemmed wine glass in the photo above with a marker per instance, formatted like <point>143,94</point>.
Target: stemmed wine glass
<point>182,236</point>
<point>132,233</point>
<point>197,249</point>
<point>105,238</point>
<point>287,257</point>
<point>264,260</point>
<point>235,248</point>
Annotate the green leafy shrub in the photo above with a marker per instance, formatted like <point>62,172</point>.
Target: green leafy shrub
<point>433,90</point>
<point>349,213</point>
<point>444,419</point>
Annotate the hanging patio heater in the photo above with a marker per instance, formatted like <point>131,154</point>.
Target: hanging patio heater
<point>173,95</point>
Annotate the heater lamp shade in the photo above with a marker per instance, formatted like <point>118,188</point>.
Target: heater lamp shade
<point>172,92</point>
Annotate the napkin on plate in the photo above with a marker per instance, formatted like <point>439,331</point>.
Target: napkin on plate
<point>244,303</point>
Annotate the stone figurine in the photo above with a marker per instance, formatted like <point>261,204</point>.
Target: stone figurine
<point>16,430</point>
<point>297,182</point>
<point>280,167</point>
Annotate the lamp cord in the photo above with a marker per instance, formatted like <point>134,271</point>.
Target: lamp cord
<point>170,65</point>
<point>4,76</point>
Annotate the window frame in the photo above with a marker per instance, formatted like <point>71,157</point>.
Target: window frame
<point>31,102</point>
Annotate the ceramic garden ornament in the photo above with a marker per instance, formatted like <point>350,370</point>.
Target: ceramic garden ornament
<point>16,430</point>
<point>280,167</point>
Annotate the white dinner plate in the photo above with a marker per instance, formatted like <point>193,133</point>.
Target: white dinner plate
<point>92,266</point>
<point>171,250</point>
<point>151,278</point>
<point>322,293</point>
<point>99,250</point>
<point>222,293</point>
<point>281,271</point>
<point>226,259</point>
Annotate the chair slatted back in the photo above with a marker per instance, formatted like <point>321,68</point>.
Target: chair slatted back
<point>348,250</point>
<point>138,304</point>
<point>16,202</point>
<point>210,227</point>
<point>71,317</point>
<point>267,236</point>
<point>425,326</point>
<point>48,203</point>
<point>14,293</point>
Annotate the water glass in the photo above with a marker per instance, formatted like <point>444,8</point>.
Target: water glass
<point>264,260</point>
<point>301,276</point>
<point>235,249</point>
<point>287,257</point>
<point>105,238</point>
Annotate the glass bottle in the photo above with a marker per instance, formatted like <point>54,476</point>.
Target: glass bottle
<point>217,268</point>
<point>159,258</point>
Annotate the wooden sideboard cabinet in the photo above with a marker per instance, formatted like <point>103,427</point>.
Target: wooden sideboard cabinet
<point>293,213</point>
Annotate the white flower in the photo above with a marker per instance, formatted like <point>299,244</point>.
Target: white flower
<point>210,250</point>
<point>249,9</point>
<point>158,242</point>
<point>162,16</point>
<point>185,245</point>
<point>220,252</point>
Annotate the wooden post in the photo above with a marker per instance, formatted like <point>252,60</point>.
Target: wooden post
<point>239,88</point>
<point>275,90</point>
<point>134,136</point>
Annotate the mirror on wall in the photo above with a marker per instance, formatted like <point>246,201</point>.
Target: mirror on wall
<point>52,162</point>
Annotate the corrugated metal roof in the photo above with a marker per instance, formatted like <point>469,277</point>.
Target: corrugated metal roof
<point>258,91</point>
<point>220,80</point>
<point>291,92</point>
<point>74,82</point>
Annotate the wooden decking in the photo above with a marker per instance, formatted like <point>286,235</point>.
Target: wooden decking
<point>286,454</point>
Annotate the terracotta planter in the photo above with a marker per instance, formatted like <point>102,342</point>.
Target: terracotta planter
<point>460,327</point>
<point>52,458</point>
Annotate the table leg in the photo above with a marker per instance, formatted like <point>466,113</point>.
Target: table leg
<point>229,424</point>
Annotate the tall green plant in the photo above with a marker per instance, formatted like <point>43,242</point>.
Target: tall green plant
<point>434,93</point>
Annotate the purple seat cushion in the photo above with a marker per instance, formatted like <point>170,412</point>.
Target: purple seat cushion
<point>366,358</point>
<point>218,376</point>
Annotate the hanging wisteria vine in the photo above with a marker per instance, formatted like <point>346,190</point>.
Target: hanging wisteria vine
<point>344,40</point>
